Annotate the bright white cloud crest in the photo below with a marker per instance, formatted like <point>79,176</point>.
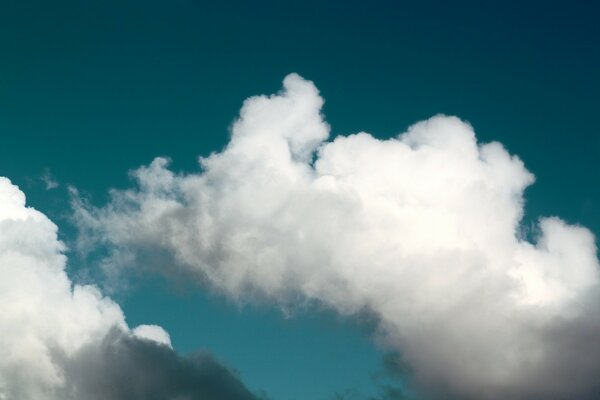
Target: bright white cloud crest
<point>422,229</point>
<point>154,333</point>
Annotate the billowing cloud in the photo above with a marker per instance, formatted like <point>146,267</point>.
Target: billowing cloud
<point>60,341</point>
<point>422,229</point>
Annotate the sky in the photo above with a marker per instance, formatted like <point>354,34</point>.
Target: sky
<point>294,263</point>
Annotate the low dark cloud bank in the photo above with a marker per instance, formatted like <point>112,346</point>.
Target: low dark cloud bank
<point>123,367</point>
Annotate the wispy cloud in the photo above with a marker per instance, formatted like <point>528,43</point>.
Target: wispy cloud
<point>49,180</point>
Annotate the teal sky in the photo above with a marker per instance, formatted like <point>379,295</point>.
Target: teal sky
<point>92,89</point>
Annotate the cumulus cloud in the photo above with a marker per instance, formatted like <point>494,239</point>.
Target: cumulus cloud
<point>65,341</point>
<point>422,229</point>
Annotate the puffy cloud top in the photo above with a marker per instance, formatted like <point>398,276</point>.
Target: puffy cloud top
<point>421,229</point>
<point>154,333</point>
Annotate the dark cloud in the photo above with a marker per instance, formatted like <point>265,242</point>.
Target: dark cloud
<point>390,393</point>
<point>123,367</point>
<point>392,380</point>
<point>386,392</point>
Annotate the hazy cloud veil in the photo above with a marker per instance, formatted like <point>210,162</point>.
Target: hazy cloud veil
<point>422,229</point>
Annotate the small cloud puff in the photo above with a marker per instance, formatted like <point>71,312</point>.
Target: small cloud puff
<point>154,333</point>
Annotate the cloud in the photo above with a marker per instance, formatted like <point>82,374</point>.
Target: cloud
<point>65,341</point>
<point>49,181</point>
<point>153,333</point>
<point>422,229</point>
<point>121,367</point>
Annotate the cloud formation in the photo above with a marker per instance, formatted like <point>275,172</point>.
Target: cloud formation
<point>60,341</point>
<point>122,367</point>
<point>421,229</point>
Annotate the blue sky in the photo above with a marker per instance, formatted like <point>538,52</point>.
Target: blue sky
<point>90,90</point>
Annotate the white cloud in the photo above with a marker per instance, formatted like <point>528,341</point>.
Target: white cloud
<point>41,313</point>
<point>60,341</point>
<point>154,333</point>
<point>421,229</point>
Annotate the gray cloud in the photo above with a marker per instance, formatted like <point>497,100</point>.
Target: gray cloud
<point>123,367</point>
<point>390,393</point>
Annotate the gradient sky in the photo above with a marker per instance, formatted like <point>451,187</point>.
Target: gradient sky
<point>92,89</point>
